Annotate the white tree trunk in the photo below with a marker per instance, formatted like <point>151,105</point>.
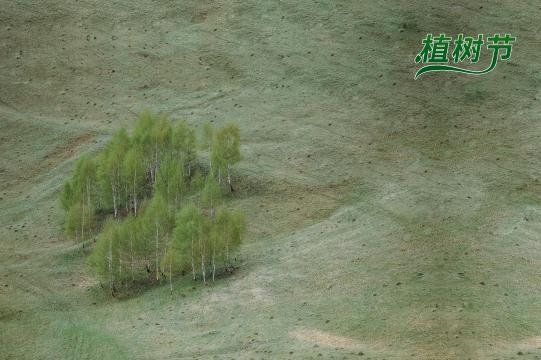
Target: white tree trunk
<point>127,192</point>
<point>135,192</point>
<point>110,260</point>
<point>229,177</point>
<point>226,234</point>
<point>83,225</point>
<point>88,191</point>
<point>157,248</point>
<point>213,264</point>
<point>203,268</point>
<point>193,261</point>
<point>156,162</point>
<point>114,196</point>
<point>202,260</point>
<point>170,279</point>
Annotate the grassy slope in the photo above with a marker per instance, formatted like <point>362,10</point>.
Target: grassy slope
<point>392,217</point>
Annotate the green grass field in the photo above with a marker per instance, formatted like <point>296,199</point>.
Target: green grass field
<point>388,218</point>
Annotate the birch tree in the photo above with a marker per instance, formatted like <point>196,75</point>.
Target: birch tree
<point>157,220</point>
<point>231,226</point>
<point>77,199</point>
<point>142,140</point>
<point>110,166</point>
<point>216,244</point>
<point>105,255</point>
<point>132,237</point>
<point>224,227</point>
<point>203,233</point>
<point>210,195</point>
<point>67,196</point>
<point>170,229</point>
<point>183,145</point>
<point>185,237</point>
<point>238,229</point>
<point>170,181</point>
<point>73,221</point>
<point>226,149</point>
<point>210,198</point>
<point>133,170</point>
<point>173,260</point>
<point>161,142</point>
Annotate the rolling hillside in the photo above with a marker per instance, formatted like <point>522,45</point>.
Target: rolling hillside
<point>389,218</point>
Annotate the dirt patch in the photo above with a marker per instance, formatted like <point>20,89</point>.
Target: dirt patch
<point>326,339</point>
<point>531,342</point>
<point>63,152</point>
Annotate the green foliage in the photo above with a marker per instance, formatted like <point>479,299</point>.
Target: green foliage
<point>82,184</point>
<point>78,200</point>
<point>133,175</point>
<point>210,194</point>
<point>226,145</point>
<point>238,228</point>
<point>157,224</point>
<point>231,225</point>
<point>109,170</point>
<point>161,135</point>
<point>143,130</point>
<point>84,180</point>
<point>197,182</point>
<point>157,217</point>
<point>67,196</point>
<point>73,220</point>
<point>186,237</point>
<point>170,181</point>
<point>225,151</point>
<point>104,257</point>
<point>184,146</point>
<point>167,216</point>
<point>138,243</point>
<point>142,138</point>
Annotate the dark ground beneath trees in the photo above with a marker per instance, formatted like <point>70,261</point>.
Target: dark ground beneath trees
<point>389,217</point>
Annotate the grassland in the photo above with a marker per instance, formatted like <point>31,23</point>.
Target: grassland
<point>389,218</point>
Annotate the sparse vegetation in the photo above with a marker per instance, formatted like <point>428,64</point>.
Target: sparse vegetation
<point>162,214</point>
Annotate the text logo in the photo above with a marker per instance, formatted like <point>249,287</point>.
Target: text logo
<point>436,52</point>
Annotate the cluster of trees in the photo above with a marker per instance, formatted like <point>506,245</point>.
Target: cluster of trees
<point>160,210</point>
